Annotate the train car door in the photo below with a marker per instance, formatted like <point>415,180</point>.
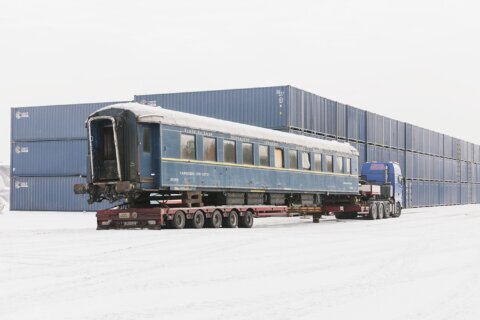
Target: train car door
<point>148,147</point>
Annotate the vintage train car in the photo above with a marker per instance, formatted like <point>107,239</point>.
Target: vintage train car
<point>144,154</point>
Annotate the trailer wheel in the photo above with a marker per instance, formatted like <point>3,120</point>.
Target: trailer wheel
<point>197,221</point>
<point>231,220</point>
<point>380,211</point>
<point>178,221</point>
<point>398,210</point>
<point>216,220</point>
<point>372,212</point>
<point>246,221</point>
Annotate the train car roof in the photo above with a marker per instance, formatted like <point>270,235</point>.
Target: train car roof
<point>149,114</point>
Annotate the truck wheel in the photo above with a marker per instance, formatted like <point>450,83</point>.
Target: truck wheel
<point>386,211</point>
<point>178,221</point>
<point>372,213</point>
<point>380,211</point>
<point>216,220</point>
<point>398,210</point>
<point>246,221</point>
<point>197,221</point>
<point>231,221</point>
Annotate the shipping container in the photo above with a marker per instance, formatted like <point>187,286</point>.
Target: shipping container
<point>356,121</point>
<point>448,149</point>
<point>409,145</point>
<point>49,194</point>
<point>52,122</point>
<point>362,150</point>
<point>388,129</point>
<point>341,120</point>
<point>401,135</point>
<point>49,158</point>
<point>476,154</point>
<point>271,107</point>
<point>463,172</point>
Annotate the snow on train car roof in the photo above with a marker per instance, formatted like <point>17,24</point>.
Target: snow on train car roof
<point>160,115</point>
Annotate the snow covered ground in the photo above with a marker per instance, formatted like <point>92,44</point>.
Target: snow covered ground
<point>425,265</point>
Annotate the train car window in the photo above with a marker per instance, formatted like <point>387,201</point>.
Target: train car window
<point>187,143</point>
<point>247,149</point>
<point>264,157</point>
<point>340,164</point>
<point>108,144</point>
<point>306,161</point>
<point>292,155</point>
<point>329,163</point>
<point>279,158</point>
<point>209,149</point>
<point>229,151</point>
<point>147,144</point>
<point>318,161</point>
<point>348,165</point>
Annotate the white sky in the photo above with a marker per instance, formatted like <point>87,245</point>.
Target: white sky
<point>417,61</point>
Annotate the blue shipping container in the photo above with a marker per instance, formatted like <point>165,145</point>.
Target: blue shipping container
<point>52,122</point>
<point>49,158</point>
<point>49,194</point>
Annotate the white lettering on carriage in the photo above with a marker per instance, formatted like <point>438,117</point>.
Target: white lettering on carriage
<point>198,174</point>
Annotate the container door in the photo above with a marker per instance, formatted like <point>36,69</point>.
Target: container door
<point>148,155</point>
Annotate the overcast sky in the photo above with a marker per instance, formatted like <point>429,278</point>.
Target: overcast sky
<point>417,61</point>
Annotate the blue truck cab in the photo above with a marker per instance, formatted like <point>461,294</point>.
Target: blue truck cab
<point>385,173</point>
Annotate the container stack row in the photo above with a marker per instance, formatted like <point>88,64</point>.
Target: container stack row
<point>49,144</point>
<point>435,165</point>
<point>48,156</point>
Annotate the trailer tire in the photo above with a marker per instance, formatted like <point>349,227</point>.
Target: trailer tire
<point>246,221</point>
<point>372,212</point>
<point>231,220</point>
<point>398,210</point>
<point>380,210</point>
<point>178,221</point>
<point>216,220</point>
<point>198,220</point>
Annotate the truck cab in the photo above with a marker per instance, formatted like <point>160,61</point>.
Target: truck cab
<point>385,174</point>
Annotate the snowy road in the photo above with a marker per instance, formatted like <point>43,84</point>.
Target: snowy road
<point>425,265</point>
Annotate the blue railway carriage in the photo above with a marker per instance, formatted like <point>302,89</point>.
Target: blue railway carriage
<point>149,154</point>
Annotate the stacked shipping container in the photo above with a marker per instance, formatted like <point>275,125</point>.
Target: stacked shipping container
<point>49,145</point>
<point>439,169</point>
<point>48,156</point>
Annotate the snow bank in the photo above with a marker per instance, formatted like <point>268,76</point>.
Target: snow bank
<point>4,186</point>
